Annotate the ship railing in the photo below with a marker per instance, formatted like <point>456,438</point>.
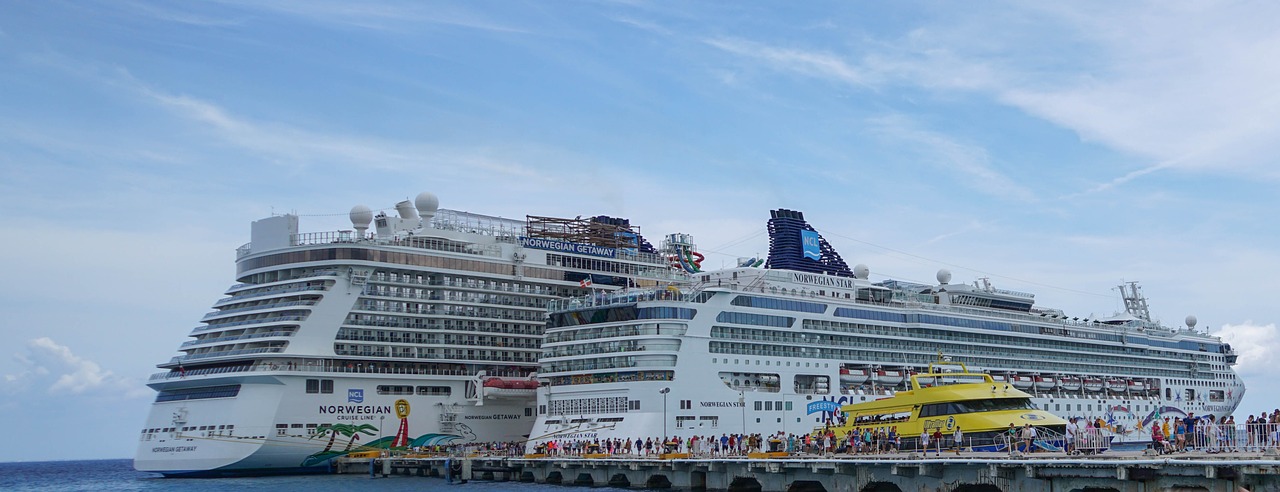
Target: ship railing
<point>1215,437</point>
<point>329,367</point>
<point>259,307</point>
<point>225,353</point>
<point>236,337</point>
<point>621,297</point>
<point>268,292</point>
<point>223,326</point>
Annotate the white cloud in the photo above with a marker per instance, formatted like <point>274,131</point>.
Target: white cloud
<point>1189,88</point>
<point>969,162</point>
<point>812,63</point>
<point>1257,345</point>
<point>65,373</point>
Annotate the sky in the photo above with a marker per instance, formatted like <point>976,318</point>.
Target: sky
<point>1058,148</point>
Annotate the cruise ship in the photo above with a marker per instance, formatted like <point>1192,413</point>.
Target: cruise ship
<point>783,347</point>
<point>424,330</point>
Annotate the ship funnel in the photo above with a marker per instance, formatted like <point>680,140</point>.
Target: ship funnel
<point>405,209</point>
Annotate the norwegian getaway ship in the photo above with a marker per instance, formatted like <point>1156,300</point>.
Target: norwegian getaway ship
<point>425,332</point>
<point>751,350</point>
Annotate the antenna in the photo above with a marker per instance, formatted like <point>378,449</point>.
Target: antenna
<point>1134,302</point>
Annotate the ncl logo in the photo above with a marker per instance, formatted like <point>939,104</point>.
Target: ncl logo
<point>812,251</point>
<point>355,396</point>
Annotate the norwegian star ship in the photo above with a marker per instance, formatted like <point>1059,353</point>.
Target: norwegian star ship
<point>780,348</point>
<point>424,331</point>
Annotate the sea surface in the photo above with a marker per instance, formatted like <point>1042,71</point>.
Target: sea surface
<point>96,475</point>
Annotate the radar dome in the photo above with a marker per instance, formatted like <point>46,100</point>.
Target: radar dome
<point>361,216</point>
<point>944,276</point>
<point>1191,321</point>
<point>861,271</point>
<point>427,204</point>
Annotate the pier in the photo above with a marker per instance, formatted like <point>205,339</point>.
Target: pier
<point>969,472</point>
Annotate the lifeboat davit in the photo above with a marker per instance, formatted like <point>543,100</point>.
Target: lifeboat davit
<point>1070,383</point>
<point>1093,384</point>
<point>1045,383</point>
<point>1021,382</point>
<point>854,376</point>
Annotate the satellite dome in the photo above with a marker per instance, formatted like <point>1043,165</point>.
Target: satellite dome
<point>944,276</point>
<point>427,204</point>
<point>1191,321</point>
<point>361,216</point>
<point>861,271</point>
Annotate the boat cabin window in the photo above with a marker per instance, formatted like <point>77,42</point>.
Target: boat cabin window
<point>971,406</point>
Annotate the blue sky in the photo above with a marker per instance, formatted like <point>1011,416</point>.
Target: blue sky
<point>1056,148</point>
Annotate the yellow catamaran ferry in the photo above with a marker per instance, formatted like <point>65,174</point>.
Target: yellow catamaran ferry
<point>949,396</point>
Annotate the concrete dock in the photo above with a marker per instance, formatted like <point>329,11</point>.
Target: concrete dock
<point>971,472</point>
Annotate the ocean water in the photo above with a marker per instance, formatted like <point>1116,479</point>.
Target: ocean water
<point>60,476</point>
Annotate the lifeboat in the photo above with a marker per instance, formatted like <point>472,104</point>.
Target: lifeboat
<point>854,376</point>
<point>1117,385</point>
<point>1000,378</point>
<point>890,377</point>
<point>1045,383</point>
<point>1093,384</point>
<point>510,388</point>
<point>1021,382</point>
<point>1137,385</point>
<point>1069,383</point>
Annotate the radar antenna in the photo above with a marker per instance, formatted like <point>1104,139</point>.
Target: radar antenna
<point>1134,302</point>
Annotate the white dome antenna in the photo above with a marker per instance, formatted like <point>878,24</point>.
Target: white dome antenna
<point>361,216</point>
<point>427,205</point>
<point>1191,321</point>
<point>944,276</point>
<point>861,271</point>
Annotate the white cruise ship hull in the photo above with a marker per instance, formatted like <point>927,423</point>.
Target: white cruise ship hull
<point>274,426</point>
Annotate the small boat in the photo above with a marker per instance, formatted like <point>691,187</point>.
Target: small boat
<point>509,387</point>
<point>1117,385</point>
<point>889,377</point>
<point>1021,382</point>
<point>1044,383</point>
<point>1093,384</point>
<point>1069,383</point>
<point>854,376</point>
<point>1137,385</point>
<point>945,396</point>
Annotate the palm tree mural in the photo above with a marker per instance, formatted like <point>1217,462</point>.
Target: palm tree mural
<point>354,431</point>
<point>332,430</point>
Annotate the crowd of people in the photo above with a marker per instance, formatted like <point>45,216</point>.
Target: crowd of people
<point>1170,434</point>
<point>1214,435</point>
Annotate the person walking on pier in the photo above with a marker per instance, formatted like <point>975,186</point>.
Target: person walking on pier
<point>958,437</point>
<point>937,440</point>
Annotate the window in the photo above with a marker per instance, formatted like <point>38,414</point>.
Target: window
<point>313,386</point>
<point>326,386</point>
<point>227,391</point>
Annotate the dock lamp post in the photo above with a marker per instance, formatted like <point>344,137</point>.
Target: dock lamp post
<point>742,403</point>
<point>664,392</point>
<point>382,422</point>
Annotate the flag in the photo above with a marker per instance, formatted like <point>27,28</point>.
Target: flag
<point>584,283</point>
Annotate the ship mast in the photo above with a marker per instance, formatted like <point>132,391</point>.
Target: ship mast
<point>1134,302</point>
